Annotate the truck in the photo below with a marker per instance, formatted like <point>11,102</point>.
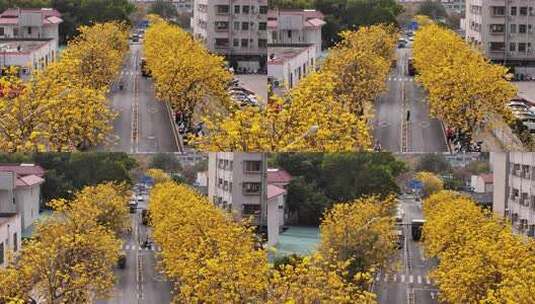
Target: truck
<point>416,229</point>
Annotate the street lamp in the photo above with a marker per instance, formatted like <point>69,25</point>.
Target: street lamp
<point>313,130</point>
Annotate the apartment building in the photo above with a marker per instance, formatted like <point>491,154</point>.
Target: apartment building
<point>236,29</point>
<point>10,235</point>
<point>514,189</point>
<point>29,38</point>
<point>457,6</point>
<point>237,183</point>
<point>503,29</point>
<point>20,191</point>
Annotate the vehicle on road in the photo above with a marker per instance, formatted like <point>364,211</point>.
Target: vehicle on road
<point>416,229</point>
<point>145,217</point>
<point>400,239</point>
<point>411,70</point>
<point>121,262</point>
<point>132,205</point>
<point>145,72</point>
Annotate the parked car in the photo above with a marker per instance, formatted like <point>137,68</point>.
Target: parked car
<point>528,121</point>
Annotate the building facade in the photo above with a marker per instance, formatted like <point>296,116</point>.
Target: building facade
<point>288,64</point>
<point>10,235</point>
<point>236,29</point>
<point>29,38</point>
<point>503,29</point>
<point>20,191</point>
<point>514,189</point>
<point>237,183</point>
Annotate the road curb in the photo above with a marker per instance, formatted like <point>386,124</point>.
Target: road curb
<point>178,139</point>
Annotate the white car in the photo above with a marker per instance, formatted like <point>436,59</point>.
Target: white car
<point>140,199</point>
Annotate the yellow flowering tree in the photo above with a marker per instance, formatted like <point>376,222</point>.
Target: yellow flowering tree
<point>431,182</point>
<point>480,259</point>
<point>465,89</point>
<point>185,74</point>
<point>158,175</point>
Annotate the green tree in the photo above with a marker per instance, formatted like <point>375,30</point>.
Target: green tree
<point>432,9</point>
<point>164,9</point>
<point>433,162</point>
<point>167,162</point>
<point>84,12</point>
<point>306,201</point>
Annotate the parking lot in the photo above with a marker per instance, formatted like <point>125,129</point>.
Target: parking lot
<point>256,83</point>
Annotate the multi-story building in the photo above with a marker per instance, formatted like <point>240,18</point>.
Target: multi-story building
<point>20,191</point>
<point>295,46</point>
<point>236,29</point>
<point>29,38</point>
<point>503,29</point>
<point>457,6</point>
<point>240,183</point>
<point>296,27</point>
<point>514,189</point>
<point>10,235</point>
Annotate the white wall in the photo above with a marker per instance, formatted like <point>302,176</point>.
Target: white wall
<point>7,184</point>
<point>10,234</point>
<point>27,200</point>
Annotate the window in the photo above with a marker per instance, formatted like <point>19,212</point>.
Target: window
<point>497,46</point>
<point>251,209</point>
<point>15,32</point>
<point>521,47</point>
<point>251,188</point>
<point>245,9</point>
<point>523,11</point>
<point>225,185</point>
<point>262,43</point>
<point>522,28</point>
<point>513,10</point>
<point>236,25</point>
<point>253,166</point>
<point>230,186</point>
<point>512,28</point>
<point>220,183</point>
<point>2,253</point>
<point>221,42</point>
<point>221,25</point>
<point>231,165</point>
<point>221,163</point>
<point>2,31</point>
<point>263,9</point>
<point>290,34</point>
<point>512,47</point>
<point>245,26</point>
<point>226,164</point>
<point>222,9</point>
<point>244,42</point>
<point>497,28</point>
<point>29,30</point>
<point>262,26</point>
<point>236,42</point>
<point>236,9</point>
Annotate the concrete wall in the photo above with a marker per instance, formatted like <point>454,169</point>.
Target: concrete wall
<point>10,235</point>
<point>27,200</point>
<point>7,184</point>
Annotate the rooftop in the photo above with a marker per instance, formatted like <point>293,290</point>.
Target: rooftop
<point>487,178</point>
<point>22,46</point>
<point>48,15</point>
<point>274,191</point>
<point>281,54</point>
<point>23,169</point>
<point>277,176</point>
<point>311,18</point>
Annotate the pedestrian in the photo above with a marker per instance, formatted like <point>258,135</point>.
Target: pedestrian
<point>408,115</point>
<point>178,116</point>
<point>377,147</point>
<point>449,134</point>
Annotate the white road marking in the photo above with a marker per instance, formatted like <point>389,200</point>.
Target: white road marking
<point>427,280</point>
<point>411,279</point>
<point>419,280</point>
<point>386,278</point>
<point>402,278</point>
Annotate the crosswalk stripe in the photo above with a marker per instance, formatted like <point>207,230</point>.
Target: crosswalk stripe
<point>402,278</point>
<point>395,278</point>
<point>428,281</point>
<point>411,279</point>
<point>419,280</point>
<point>377,278</point>
<point>386,277</point>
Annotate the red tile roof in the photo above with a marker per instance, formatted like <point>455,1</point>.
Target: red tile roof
<point>487,178</point>
<point>274,191</point>
<point>29,180</point>
<point>11,15</point>
<point>278,176</point>
<point>23,170</point>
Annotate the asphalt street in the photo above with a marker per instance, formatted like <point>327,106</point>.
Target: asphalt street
<point>143,123</point>
<point>140,281</point>
<point>410,282</point>
<point>420,133</point>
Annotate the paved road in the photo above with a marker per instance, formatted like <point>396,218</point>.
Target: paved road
<point>421,133</point>
<point>410,284</point>
<point>140,281</point>
<point>143,124</point>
